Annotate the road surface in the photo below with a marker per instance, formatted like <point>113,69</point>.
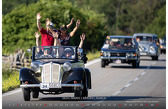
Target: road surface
<point>115,86</point>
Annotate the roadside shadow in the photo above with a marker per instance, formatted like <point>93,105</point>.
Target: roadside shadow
<point>99,98</point>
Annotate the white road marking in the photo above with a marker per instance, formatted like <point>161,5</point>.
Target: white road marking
<point>19,89</point>
<point>116,93</point>
<point>143,73</point>
<point>136,79</point>
<point>92,62</point>
<point>127,85</point>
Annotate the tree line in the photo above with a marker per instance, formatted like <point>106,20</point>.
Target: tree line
<point>99,18</point>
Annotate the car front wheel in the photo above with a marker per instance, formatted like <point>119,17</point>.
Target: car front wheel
<point>102,63</point>
<point>135,64</point>
<point>26,94</point>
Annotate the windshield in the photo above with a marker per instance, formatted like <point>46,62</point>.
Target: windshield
<point>119,43</point>
<point>144,38</point>
<point>55,52</point>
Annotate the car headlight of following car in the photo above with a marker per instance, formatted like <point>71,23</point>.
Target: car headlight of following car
<point>67,66</point>
<point>106,54</point>
<point>131,54</point>
<point>152,48</point>
<point>34,67</point>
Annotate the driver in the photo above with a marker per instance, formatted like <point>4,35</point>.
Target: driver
<point>47,52</point>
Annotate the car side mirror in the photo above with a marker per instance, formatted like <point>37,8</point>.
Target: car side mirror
<point>84,58</point>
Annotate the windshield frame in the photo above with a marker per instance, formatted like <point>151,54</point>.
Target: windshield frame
<point>74,59</point>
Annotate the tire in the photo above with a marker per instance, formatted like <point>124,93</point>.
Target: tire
<point>154,57</point>
<point>26,94</point>
<point>102,63</point>
<point>35,94</point>
<point>135,64</point>
<point>78,94</point>
<point>85,93</point>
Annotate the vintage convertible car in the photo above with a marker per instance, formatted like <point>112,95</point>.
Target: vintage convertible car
<point>120,49</point>
<point>148,45</point>
<point>56,70</point>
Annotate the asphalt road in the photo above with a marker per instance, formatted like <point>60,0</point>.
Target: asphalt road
<point>116,86</point>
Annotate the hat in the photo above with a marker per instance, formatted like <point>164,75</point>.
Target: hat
<point>68,50</point>
<point>51,24</point>
<point>46,48</point>
<point>63,26</point>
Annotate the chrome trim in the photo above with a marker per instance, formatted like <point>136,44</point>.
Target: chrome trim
<point>51,72</point>
<point>62,85</point>
<point>131,58</point>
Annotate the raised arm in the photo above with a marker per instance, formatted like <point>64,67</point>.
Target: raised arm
<point>82,40</point>
<point>37,36</point>
<point>38,21</point>
<point>70,23</point>
<point>55,35</point>
<point>74,30</point>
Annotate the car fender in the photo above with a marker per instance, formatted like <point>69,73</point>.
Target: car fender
<point>88,78</point>
<point>27,74</point>
<point>73,75</point>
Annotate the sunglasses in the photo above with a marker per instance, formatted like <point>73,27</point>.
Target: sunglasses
<point>63,29</point>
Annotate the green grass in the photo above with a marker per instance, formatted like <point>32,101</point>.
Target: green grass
<point>93,54</point>
<point>10,80</point>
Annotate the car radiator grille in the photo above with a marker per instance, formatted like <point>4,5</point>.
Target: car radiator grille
<point>118,54</point>
<point>51,73</point>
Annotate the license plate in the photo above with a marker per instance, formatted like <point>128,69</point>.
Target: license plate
<point>44,86</point>
<point>49,85</point>
<point>142,53</point>
<point>118,61</point>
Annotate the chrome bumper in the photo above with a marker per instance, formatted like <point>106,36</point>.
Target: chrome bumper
<point>147,53</point>
<point>62,85</point>
<point>124,58</point>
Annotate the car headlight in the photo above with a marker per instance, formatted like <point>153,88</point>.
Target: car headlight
<point>67,66</point>
<point>152,48</point>
<point>131,54</point>
<point>108,54</point>
<point>34,67</point>
<point>105,54</point>
<point>128,54</point>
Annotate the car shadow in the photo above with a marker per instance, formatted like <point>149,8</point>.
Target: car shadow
<point>99,98</point>
<point>153,60</point>
<point>140,67</point>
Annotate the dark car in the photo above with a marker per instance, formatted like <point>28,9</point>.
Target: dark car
<point>120,49</point>
<point>148,44</point>
<point>56,70</point>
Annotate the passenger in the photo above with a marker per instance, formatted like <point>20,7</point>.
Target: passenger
<point>47,37</point>
<point>68,53</point>
<point>64,37</point>
<point>137,39</point>
<point>128,43</point>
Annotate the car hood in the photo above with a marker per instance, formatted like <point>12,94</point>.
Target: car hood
<point>118,50</point>
<point>146,44</point>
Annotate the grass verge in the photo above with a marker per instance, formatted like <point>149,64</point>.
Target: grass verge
<point>93,54</point>
<point>10,80</point>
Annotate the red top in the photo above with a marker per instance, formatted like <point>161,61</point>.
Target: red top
<point>47,38</point>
